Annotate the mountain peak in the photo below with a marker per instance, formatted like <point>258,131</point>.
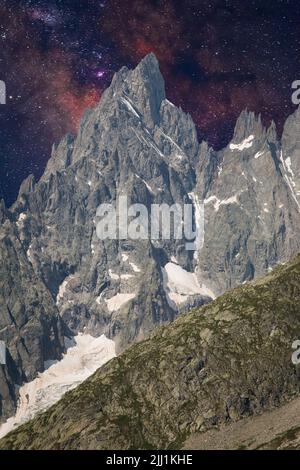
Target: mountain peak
<point>149,60</point>
<point>272,132</point>
<point>143,86</point>
<point>248,123</point>
<point>146,87</point>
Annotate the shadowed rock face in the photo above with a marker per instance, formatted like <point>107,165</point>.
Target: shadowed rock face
<point>228,360</point>
<point>30,325</point>
<point>137,143</point>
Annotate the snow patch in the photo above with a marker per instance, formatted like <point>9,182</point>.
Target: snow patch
<point>179,284</point>
<point>146,184</point>
<point>247,143</point>
<point>148,142</point>
<point>181,153</point>
<point>113,275</point>
<point>81,360</point>
<point>199,218</point>
<point>169,102</point>
<point>154,146</point>
<point>175,298</point>
<point>127,276</point>
<point>116,302</point>
<point>289,166</point>
<point>259,154</point>
<point>28,253</point>
<point>22,216</point>
<point>62,290</point>
<point>218,202</point>
<point>129,106</point>
<point>21,219</point>
<point>290,182</point>
<point>135,268</point>
<point>98,299</point>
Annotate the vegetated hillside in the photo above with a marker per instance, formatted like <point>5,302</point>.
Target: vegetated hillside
<point>219,363</point>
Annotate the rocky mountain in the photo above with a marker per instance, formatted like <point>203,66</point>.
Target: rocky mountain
<point>59,279</point>
<point>229,360</point>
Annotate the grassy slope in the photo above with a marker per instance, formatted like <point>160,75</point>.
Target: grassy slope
<point>219,363</point>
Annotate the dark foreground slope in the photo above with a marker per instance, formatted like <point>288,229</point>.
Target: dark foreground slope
<point>217,364</point>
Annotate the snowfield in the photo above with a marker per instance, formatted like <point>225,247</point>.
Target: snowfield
<point>179,284</point>
<point>116,302</point>
<point>84,356</point>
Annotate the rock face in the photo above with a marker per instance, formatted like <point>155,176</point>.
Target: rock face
<point>251,203</point>
<point>228,360</point>
<point>30,325</point>
<point>136,143</point>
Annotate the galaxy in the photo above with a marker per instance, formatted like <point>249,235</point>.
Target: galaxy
<point>218,57</point>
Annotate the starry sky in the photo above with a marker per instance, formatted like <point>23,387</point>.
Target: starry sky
<point>218,57</point>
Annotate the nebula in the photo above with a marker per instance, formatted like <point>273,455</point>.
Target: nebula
<point>217,57</point>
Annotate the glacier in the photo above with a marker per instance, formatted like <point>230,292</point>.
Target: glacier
<point>84,355</point>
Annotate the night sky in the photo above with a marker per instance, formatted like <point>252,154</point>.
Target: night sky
<point>218,57</point>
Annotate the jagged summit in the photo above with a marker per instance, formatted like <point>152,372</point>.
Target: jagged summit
<point>149,60</point>
<point>144,85</point>
<point>272,132</point>
<point>136,102</point>
<point>148,69</point>
<point>248,123</point>
<point>138,95</point>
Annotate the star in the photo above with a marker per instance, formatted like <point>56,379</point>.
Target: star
<point>100,73</point>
